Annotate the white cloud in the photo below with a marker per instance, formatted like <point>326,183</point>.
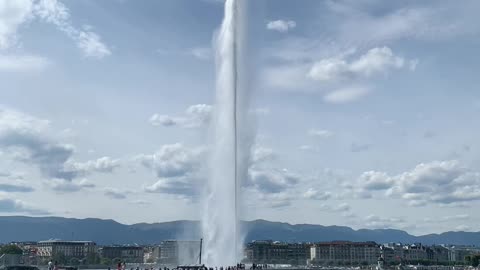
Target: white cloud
<point>173,160</point>
<point>320,133</point>
<point>195,116</point>
<point>30,140</point>
<point>376,60</point>
<point>198,115</point>
<point>281,25</point>
<point>163,120</point>
<point>65,186</point>
<point>103,164</point>
<point>56,13</point>
<point>356,23</point>
<point>9,205</point>
<point>346,95</point>
<point>183,187</point>
<point>91,44</point>
<point>373,180</point>
<point>13,13</point>
<point>272,180</point>
<point>261,154</point>
<point>437,182</point>
<point>314,194</point>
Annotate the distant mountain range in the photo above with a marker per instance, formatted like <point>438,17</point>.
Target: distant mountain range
<point>19,228</point>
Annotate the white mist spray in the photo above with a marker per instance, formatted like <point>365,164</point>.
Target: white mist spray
<point>223,237</point>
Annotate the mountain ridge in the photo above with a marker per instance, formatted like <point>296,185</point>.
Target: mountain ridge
<point>109,231</point>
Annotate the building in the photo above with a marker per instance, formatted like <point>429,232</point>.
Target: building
<point>415,252</point>
<point>267,251</point>
<point>397,251</point>
<point>438,254</point>
<point>459,253</point>
<point>388,255</point>
<point>129,254</point>
<point>178,252</point>
<point>57,249</point>
<point>345,253</point>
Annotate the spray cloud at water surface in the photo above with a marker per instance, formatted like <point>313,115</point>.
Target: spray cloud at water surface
<point>231,142</point>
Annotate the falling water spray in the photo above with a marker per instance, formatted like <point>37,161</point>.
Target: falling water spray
<point>231,141</point>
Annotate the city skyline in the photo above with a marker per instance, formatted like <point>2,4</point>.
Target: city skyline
<point>366,111</point>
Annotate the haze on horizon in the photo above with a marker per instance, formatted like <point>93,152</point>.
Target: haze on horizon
<point>367,111</point>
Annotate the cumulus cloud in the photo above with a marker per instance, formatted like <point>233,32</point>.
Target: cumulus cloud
<point>346,95</point>
<point>65,186</point>
<point>281,25</point>
<point>177,169</point>
<point>373,180</point>
<point>314,194</point>
<point>29,141</point>
<point>163,120</point>
<point>173,160</point>
<point>439,182</point>
<point>272,180</point>
<point>11,206</point>
<point>180,186</point>
<point>261,154</point>
<point>103,164</point>
<point>376,60</point>
<point>195,116</point>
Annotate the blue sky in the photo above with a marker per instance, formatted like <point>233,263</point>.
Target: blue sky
<point>366,111</point>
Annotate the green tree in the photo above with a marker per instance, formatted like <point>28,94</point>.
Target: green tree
<point>74,261</point>
<point>59,258</point>
<point>475,261</point>
<point>106,261</point>
<point>11,249</point>
<point>92,258</point>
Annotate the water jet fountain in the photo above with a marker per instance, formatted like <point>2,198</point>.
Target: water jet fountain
<point>230,145</point>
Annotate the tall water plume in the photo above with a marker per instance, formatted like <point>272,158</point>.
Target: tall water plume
<point>231,141</point>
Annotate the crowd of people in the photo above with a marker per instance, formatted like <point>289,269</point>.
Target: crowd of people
<point>121,266</point>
